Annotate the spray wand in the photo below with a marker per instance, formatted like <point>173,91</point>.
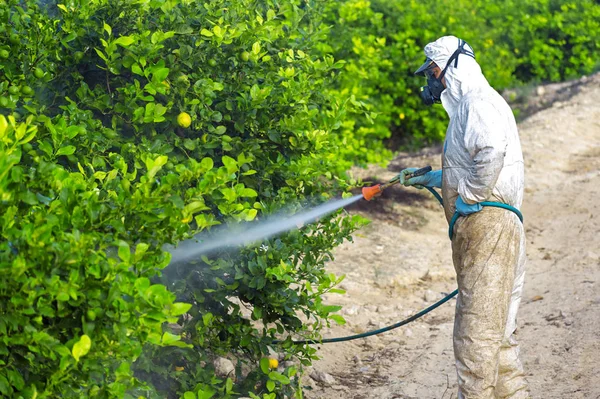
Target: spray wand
<point>374,191</point>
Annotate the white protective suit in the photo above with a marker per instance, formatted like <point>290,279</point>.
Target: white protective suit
<point>482,161</point>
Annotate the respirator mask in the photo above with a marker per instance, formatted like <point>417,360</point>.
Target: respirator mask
<point>432,93</point>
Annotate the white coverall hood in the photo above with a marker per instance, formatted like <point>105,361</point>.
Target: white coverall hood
<point>482,161</point>
<point>460,80</point>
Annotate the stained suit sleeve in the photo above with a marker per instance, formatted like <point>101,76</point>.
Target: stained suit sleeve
<point>485,140</point>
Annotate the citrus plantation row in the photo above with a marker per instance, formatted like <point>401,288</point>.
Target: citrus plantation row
<point>127,125</point>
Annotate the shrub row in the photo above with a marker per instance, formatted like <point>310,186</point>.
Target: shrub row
<point>127,125</point>
<point>516,42</point>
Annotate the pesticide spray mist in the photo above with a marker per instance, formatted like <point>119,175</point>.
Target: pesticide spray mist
<point>238,235</point>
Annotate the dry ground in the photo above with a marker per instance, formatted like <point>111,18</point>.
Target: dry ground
<point>401,262</point>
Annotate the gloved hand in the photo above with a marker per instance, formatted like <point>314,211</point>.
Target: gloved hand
<point>429,179</point>
<point>465,209</point>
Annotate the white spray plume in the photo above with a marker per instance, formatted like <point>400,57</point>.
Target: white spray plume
<point>239,235</point>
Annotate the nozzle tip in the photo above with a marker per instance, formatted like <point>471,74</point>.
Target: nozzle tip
<point>370,192</point>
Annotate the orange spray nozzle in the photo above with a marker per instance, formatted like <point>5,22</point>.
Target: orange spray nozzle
<point>370,192</point>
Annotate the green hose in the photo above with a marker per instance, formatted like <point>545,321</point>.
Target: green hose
<point>422,312</point>
<point>381,330</point>
<point>485,203</point>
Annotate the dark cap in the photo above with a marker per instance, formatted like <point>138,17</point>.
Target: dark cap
<point>426,65</point>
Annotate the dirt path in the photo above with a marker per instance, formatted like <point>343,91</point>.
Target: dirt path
<point>402,262</point>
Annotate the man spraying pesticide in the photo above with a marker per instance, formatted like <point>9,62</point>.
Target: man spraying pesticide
<point>482,179</point>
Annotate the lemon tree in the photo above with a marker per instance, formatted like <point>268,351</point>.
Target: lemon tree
<point>101,167</point>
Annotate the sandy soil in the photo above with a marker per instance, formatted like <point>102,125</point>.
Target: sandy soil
<point>401,262</point>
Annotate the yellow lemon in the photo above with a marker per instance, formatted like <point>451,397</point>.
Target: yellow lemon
<point>273,363</point>
<point>184,119</point>
<point>177,368</point>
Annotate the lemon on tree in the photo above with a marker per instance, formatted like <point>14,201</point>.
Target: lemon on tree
<point>38,73</point>
<point>273,363</point>
<point>4,54</point>
<point>26,90</point>
<point>184,120</point>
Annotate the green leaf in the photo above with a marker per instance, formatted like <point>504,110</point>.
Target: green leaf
<point>248,192</point>
<point>62,296</point>
<point>82,347</point>
<point>249,214</point>
<point>203,221</point>
<point>160,74</point>
<point>3,126</point>
<point>45,146</point>
<point>124,251</point>
<point>206,32</point>
<point>230,164</point>
<point>331,308</point>
<point>124,41</point>
<point>5,386</point>
<point>179,308</point>
<point>135,68</point>
<point>155,165</point>
<point>101,55</point>
<point>254,91</point>
<point>62,7</point>
<point>169,339</point>
<point>67,150</point>
<point>264,365</point>
<point>229,194</point>
<point>108,29</point>
<point>16,379</point>
<point>270,385</point>
<point>70,37</point>
<point>207,164</point>
<point>274,375</point>
<point>207,318</point>
<point>206,393</point>
<point>189,395</point>
<point>189,144</point>
<point>338,319</point>
<point>140,249</point>
<point>195,206</point>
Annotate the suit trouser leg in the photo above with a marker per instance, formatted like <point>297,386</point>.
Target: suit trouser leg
<point>486,252</point>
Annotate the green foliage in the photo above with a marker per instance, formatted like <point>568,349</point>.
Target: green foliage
<point>96,176</point>
<point>381,42</point>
